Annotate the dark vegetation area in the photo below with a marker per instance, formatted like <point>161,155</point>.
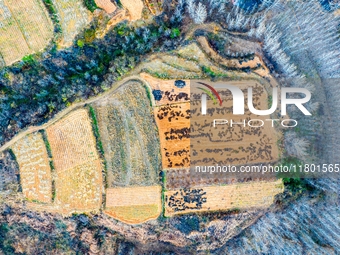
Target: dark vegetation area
<point>90,5</point>
<point>9,172</point>
<point>34,89</point>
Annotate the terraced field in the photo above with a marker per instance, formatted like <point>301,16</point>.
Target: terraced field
<point>236,144</point>
<point>141,128</point>
<point>186,191</point>
<point>129,135</point>
<point>174,123</point>
<point>35,170</point>
<point>25,28</point>
<point>134,204</point>
<point>213,198</point>
<point>78,168</point>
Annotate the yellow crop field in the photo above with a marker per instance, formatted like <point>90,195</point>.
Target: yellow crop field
<point>133,204</point>
<point>35,171</point>
<point>173,122</point>
<point>73,18</point>
<point>25,28</point>
<point>214,198</point>
<point>77,164</point>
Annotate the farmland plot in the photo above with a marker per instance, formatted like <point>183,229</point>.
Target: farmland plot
<point>73,18</point>
<point>129,135</point>
<point>35,171</point>
<point>184,178</point>
<point>134,204</point>
<point>25,28</point>
<point>212,198</point>
<point>173,122</point>
<point>192,62</point>
<point>236,144</point>
<point>78,168</point>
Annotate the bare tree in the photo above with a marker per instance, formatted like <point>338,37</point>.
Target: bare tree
<point>296,146</point>
<point>198,12</point>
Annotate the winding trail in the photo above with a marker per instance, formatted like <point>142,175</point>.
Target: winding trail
<point>66,111</point>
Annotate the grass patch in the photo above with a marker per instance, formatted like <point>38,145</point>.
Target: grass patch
<point>294,183</point>
<point>99,143</point>
<point>148,94</point>
<point>12,154</point>
<point>163,193</point>
<point>54,15</point>
<point>47,144</point>
<point>175,32</point>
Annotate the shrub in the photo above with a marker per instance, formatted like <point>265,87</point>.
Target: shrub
<point>90,5</point>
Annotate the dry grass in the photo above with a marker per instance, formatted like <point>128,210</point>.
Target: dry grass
<point>25,28</point>
<point>73,18</point>
<point>134,204</point>
<point>135,214</point>
<point>163,70</point>
<point>173,122</point>
<point>134,7</point>
<point>106,5</point>
<point>80,188</point>
<point>213,198</point>
<point>78,168</point>
<point>193,53</point>
<point>129,135</point>
<point>35,171</point>
<point>171,93</point>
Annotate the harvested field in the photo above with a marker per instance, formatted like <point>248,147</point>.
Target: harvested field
<point>237,144</point>
<point>173,122</point>
<point>193,53</point>
<point>78,168</point>
<point>191,62</point>
<point>182,178</point>
<point>134,204</point>
<point>34,165</point>
<point>129,135</point>
<point>25,28</point>
<point>134,7</point>
<point>213,198</point>
<point>170,93</point>
<point>106,5</point>
<point>74,16</point>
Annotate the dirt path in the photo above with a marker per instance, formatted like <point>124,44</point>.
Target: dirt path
<point>63,113</point>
